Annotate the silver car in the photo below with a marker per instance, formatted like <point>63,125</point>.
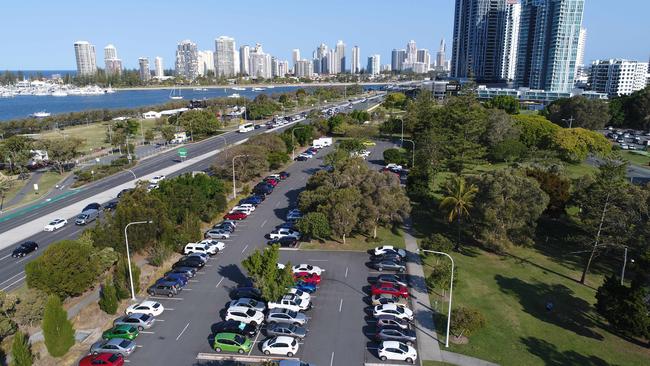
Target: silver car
<point>284,329</point>
<point>118,346</point>
<point>286,316</point>
<point>142,321</point>
<point>249,303</point>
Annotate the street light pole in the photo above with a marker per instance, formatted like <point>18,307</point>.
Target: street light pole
<point>570,120</point>
<point>293,147</point>
<point>402,138</point>
<point>234,190</point>
<point>413,152</point>
<point>451,289</point>
<point>128,256</point>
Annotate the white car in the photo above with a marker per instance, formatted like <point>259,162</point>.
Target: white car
<point>395,310</point>
<point>305,155</point>
<point>244,315</point>
<point>281,345</point>
<point>364,153</point>
<point>156,179</point>
<point>150,308</point>
<point>283,232</point>
<point>290,302</point>
<point>281,266</point>
<point>199,248</point>
<point>300,293</point>
<point>389,249</point>
<point>244,206</point>
<point>307,268</point>
<point>217,245</point>
<point>393,166</point>
<point>397,351</point>
<point>55,224</point>
<point>248,303</point>
<point>246,210</point>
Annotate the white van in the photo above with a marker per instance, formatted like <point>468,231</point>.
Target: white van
<point>246,127</point>
<point>202,248</point>
<point>322,142</point>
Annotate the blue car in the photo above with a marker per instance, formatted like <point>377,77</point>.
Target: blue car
<point>178,280</point>
<point>309,288</point>
<point>184,277</point>
<point>253,200</point>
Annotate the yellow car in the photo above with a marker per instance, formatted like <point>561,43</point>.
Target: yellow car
<point>368,143</point>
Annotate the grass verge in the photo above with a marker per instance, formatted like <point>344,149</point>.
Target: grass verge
<point>360,243</point>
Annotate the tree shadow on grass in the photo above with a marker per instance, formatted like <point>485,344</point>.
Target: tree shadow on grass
<point>554,357</point>
<point>568,311</point>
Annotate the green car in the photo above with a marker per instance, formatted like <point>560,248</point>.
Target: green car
<point>121,331</point>
<point>231,342</point>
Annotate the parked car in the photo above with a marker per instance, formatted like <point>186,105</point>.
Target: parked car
<point>246,208</point>
<point>306,287</point>
<point>285,316</point>
<point>388,256</point>
<point>234,326</point>
<point>189,262</point>
<point>286,330</point>
<point>104,359</point>
<point>150,308</point>
<point>235,216</point>
<point>307,277</point>
<point>122,331</point>
<point>396,351</point>
<point>391,278</point>
<point>263,189</point>
<point>140,321</point>
<point>86,217</point>
<point>110,206</point>
<point>188,272</point>
<point>389,320</point>
<point>285,242</point>
<point>24,249</point>
<point>301,294</point>
<point>177,279</point>
<point>381,299</point>
<point>302,157</point>
<point>248,303</point>
<point>217,234</point>
<point>254,200</point>
<point>400,312</point>
<point>232,342</point>
<point>248,292</point>
<point>205,257</point>
<point>389,249</point>
<point>281,345</point>
<point>272,181</point>
<point>284,175</point>
<point>287,225</point>
<point>199,248</point>
<point>244,315</point>
<point>280,233</point>
<point>55,224</point>
<point>92,206</point>
<point>393,333</point>
<point>294,214</point>
<point>214,245</point>
<point>291,302</point>
<point>168,289</point>
<point>117,346</point>
<point>388,265</point>
<point>388,288</point>
<point>307,268</point>
<point>156,179</point>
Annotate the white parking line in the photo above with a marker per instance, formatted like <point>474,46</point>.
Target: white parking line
<point>193,280</point>
<point>146,332</point>
<point>346,272</point>
<point>160,320</point>
<point>183,331</point>
<point>332,359</point>
<point>219,283</point>
<point>243,250</point>
<point>139,345</point>
<point>278,204</point>
<point>264,223</point>
<point>340,305</point>
<point>254,342</point>
<point>187,289</point>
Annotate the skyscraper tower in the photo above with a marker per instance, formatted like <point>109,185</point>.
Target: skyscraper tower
<point>580,58</point>
<point>224,56</point>
<point>145,73</point>
<point>441,60</point>
<point>511,39</point>
<point>244,59</point>
<point>411,52</point>
<point>187,60</point>
<point>160,71</point>
<point>295,56</point>
<point>549,35</point>
<point>112,64</point>
<point>340,57</point>
<point>85,56</point>
<point>355,68</point>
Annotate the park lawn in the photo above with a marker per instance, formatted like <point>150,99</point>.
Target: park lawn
<point>436,363</point>
<point>45,184</point>
<point>641,158</point>
<point>512,291</point>
<point>358,243</point>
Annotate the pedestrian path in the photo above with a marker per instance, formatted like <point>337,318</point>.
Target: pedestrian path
<point>26,189</point>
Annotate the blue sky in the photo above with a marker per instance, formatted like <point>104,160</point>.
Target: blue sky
<point>39,34</point>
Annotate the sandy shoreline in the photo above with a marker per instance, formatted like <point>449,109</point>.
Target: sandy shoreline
<point>247,86</point>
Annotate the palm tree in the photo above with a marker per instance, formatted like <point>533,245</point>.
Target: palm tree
<point>458,200</point>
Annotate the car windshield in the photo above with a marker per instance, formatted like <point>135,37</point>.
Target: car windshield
<point>124,343</point>
<point>252,302</point>
<point>239,339</point>
<point>250,312</point>
<point>241,326</point>
<point>156,305</point>
<point>403,347</point>
<point>292,314</point>
<point>53,222</point>
<point>144,317</point>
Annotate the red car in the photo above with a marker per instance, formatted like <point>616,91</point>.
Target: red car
<point>105,359</point>
<point>235,216</point>
<point>307,277</point>
<point>272,181</point>
<point>389,288</point>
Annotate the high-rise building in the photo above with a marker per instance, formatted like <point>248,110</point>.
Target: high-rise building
<point>479,33</point>
<point>424,57</point>
<point>304,69</point>
<point>187,60</point>
<point>549,34</point>
<point>275,68</point>
<point>580,58</point>
<point>295,56</point>
<point>112,64</point>
<point>340,57</point>
<point>206,62</point>
<point>145,72</point>
<point>85,55</point>
<point>332,62</point>
<point>244,59</point>
<point>260,63</point>
<point>110,52</point>
<point>397,59</point>
<point>411,51</point>
<point>283,68</point>
<point>355,67</point>
<point>321,60</point>
<point>374,65</point>
<point>160,71</point>
<point>224,56</point>
<point>441,62</point>
<point>618,77</point>
<point>510,40</point>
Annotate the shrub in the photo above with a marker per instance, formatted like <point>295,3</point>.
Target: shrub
<point>121,278</point>
<point>395,156</point>
<point>465,321</point>
<point>314,225</point>
<point>57,329</point>
<point>108,301</point>
<point>508,151</point>
<point>277,159</point>
<point>21,352</point>
<point>30,307</point>
<point>436,242</point>
<point>441,275</point>
<point>159,254</point>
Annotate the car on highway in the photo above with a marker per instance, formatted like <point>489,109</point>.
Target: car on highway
<point>104,359</point>
<point>235,216</point>
<point>92,206</point>
<point>248,303</point>
<point>307,268</point>
<point>301,294</point>
<point>117,346</point>
<point>148,307</point>
<point>393,333</point>
<point>248,292</point>
<point>280,345</point>
<point>291,302</point>
<point>389,320</point>
<point>129,332</point>
<point>188,272</point>
<point>391,278</point>
<point>396,351</point>
<point>389,288</point>
<point>285,242</point>
<point>140,321</point>
<point>400,312</point>
<point>306,287</point>
<point>110,206</point>
<point>281,233</point>
<point>232,342</point>
<point>285,316</point>
<point>388,265</point>
<point>156,179</point>
<point>166,288</point>
<point>24,249</point>
<point>381,299</point>
<point>217,234</point>
<point>289,330</point>
<point>388,249</point>
<point>244,315</point>
<point>55,224</point>
<point>234,326</point>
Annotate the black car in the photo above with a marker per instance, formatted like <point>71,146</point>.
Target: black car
<point>388,265</point>
<point>188,272</point>
<point>92,206</point>
<point>224,226</point>
<point>287,242</point>
<point>189,262</point>
<point>123,192</point>
<point>110,206</point>
<point>284,175</point>
<point>395,333</point>
<point>301,158</point>
<point>248,292</point>
<point>286,225</point>
<point>263,189</point>
<point>233,326</point>
<point>24,249</point>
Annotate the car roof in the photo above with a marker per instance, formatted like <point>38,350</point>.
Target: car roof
<point>390,306</point>
<point>241,308</point>
<point>284,339</point>
<point>391,344</point>
<point>147,303</point>
<point>226,335</point>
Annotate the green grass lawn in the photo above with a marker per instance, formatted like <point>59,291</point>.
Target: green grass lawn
<point>641,158</point>
<point>512,292</point>
<point>45,184</point>
<point>385,236</point>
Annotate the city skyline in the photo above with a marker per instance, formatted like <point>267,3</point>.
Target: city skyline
<point>289,33</point>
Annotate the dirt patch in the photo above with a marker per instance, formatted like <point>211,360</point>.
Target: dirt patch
<point>459,340</point>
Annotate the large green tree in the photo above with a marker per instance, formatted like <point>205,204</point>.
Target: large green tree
<point>578,111</point>
<point>199,123</point>
<point>21,351</point>
<point>62,150</point>
<point>262,268</point>
<point>57,329</point>
<point>458,201</point>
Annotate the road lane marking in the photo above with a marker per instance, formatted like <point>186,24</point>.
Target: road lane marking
<point>332,359</point>
<point>318,260</point>
<point>146,332</point>
<point>278,204</point>
<point>340,305</point>
<point>346,272</point>
<point>13,283</point>
<point>166,298</point>
<point>264,223</point>
<point>243,250</point>
<point>6,256</point>
<point>254,342</point>
<point>219,283</point>
<point>12,277</point>
<point>183,331</point>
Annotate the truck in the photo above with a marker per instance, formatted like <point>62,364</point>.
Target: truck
<point>322,142</point>
<point>87,216</point>
<point>290,302</point>
<point>179,138</point>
